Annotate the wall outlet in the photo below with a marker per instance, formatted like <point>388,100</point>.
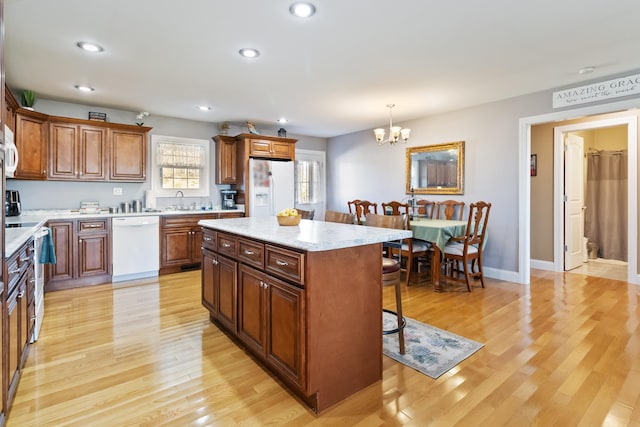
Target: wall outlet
<point>117,191</point>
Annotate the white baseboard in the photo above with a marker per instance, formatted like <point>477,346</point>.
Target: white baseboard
<point>543,265</point>
<point>508,276</point>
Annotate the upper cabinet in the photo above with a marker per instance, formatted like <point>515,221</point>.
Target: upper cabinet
<point>31,138</point>
<point>128,154</point>
<point>10,108</point>
<point>268,147</point>
<point>226,160</point>
<point>62,148</point>
<point>77,152</point>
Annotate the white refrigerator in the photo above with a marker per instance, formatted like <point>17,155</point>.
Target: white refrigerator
<point>271,187</point>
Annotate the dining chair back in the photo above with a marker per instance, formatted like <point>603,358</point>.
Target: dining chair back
<point>449,209</point>
<point>342,217</point>
<point>391,273</point>
<point>426,208</point>
<point>463,255</point>
<point>411,248</point>
<point>361,208</point>
<point>306,214</point>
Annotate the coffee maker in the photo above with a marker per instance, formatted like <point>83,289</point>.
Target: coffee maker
<point>228,199</point>
<point>12,205</point>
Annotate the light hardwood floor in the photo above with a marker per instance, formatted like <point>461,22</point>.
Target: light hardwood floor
<point>563,351</point>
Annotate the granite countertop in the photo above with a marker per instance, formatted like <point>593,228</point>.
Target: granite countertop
<point>15,237</point>
<point>309,235</point>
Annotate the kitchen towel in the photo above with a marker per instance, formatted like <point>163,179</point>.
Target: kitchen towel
<point>48,254</point>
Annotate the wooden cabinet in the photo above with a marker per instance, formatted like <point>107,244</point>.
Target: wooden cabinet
<point>63,148</point>
<point>128,151</point>
<point>271,322</point>
<point>219,294</point>
<point>292,311</point>
<point>19,319</point>
<point>226,160</point>
<point>180,242</point>
<point>83,253</point>
<point>270,315</point>
<point>268,147</point>
<point>31,138</point>
<point>10,108</point>
<point>77,152</point>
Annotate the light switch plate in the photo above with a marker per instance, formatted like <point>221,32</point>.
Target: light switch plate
<point>117,191</point>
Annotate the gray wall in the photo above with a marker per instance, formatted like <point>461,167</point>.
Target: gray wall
<point>68,195</point>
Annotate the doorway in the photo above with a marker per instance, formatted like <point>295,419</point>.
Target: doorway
<point>524,183</point>
<point>310,181</point>
<point>596,197</point>
<point>569,239</point>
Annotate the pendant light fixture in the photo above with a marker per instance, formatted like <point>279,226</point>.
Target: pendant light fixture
<point>395,132</point>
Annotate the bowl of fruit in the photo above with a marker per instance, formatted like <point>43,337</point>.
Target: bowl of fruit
<point>288,216</point>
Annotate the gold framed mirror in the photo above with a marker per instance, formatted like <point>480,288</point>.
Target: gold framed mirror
<point>435,169</point>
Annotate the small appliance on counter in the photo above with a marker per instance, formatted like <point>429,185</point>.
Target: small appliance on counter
<point>12,205</point>
<point>228,199</point>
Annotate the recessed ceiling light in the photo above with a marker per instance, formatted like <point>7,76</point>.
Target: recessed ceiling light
<point>586,70</point>
<point>204,108</point>
<point>249,52</point>
<point>282,120</point>
<point>302,9</point>
<point>84,88</point>
<point>90,47</point>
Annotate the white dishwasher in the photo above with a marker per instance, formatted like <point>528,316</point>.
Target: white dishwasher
<point>135,247</point>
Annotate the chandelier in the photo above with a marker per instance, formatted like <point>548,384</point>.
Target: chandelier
<point>395,132</point>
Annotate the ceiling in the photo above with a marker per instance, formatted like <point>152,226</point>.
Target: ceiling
<point>331,74</point>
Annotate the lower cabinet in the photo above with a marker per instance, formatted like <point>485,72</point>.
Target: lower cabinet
<point>83,253</point>
<point>263,312</point>
<point>181,239</point>
<point>311,318</point>
<point>271,322</point>
<point>219,292</point>
<point>19,320</point>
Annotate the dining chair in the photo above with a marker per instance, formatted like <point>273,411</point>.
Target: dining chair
<point>361,208</point>
<point>411,248</point>
<point>306,214</point>
<point>426,208</point>
<point>449,209</point>
<point>467,250</point>
<point>391,272</point>
<point>341,217</point>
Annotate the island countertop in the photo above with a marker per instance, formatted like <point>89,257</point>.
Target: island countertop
<point>309,235</point>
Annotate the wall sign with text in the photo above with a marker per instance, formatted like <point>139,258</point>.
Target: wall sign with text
<point>615,88</point>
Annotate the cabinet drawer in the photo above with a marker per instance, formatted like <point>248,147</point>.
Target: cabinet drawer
<point>186,220</point>
<point>208,239</point>
<point>251,253</point>
<point>284,263</point>
<point>18,263</point>
<point>93,225</point>
<point>227,244</point>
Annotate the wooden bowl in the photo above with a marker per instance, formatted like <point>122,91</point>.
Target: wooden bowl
<point>288,220</point>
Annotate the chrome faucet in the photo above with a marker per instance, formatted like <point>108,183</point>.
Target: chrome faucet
<point>180,194</point>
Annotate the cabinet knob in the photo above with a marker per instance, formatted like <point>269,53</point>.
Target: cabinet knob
<point>226,245</point>
<point>282,263</point>
<point>215,262</point>
<point>208,239</point>
<point>17,270</point>
<point>21,294</point>
<point>248,252</point>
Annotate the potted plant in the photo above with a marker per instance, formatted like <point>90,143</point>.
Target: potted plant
<point>28,99</point>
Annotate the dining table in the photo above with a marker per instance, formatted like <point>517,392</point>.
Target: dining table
<point>438,232</point>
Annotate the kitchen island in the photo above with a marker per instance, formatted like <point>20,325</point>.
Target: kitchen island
<point>305,301</point>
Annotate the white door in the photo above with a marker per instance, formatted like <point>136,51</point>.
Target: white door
<point>574,201</point>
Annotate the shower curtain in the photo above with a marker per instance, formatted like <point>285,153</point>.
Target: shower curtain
<point>606,201</point>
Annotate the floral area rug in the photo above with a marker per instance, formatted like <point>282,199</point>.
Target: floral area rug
<point>428,349</point>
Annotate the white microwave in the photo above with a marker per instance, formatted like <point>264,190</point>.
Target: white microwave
<point>10,153</point>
